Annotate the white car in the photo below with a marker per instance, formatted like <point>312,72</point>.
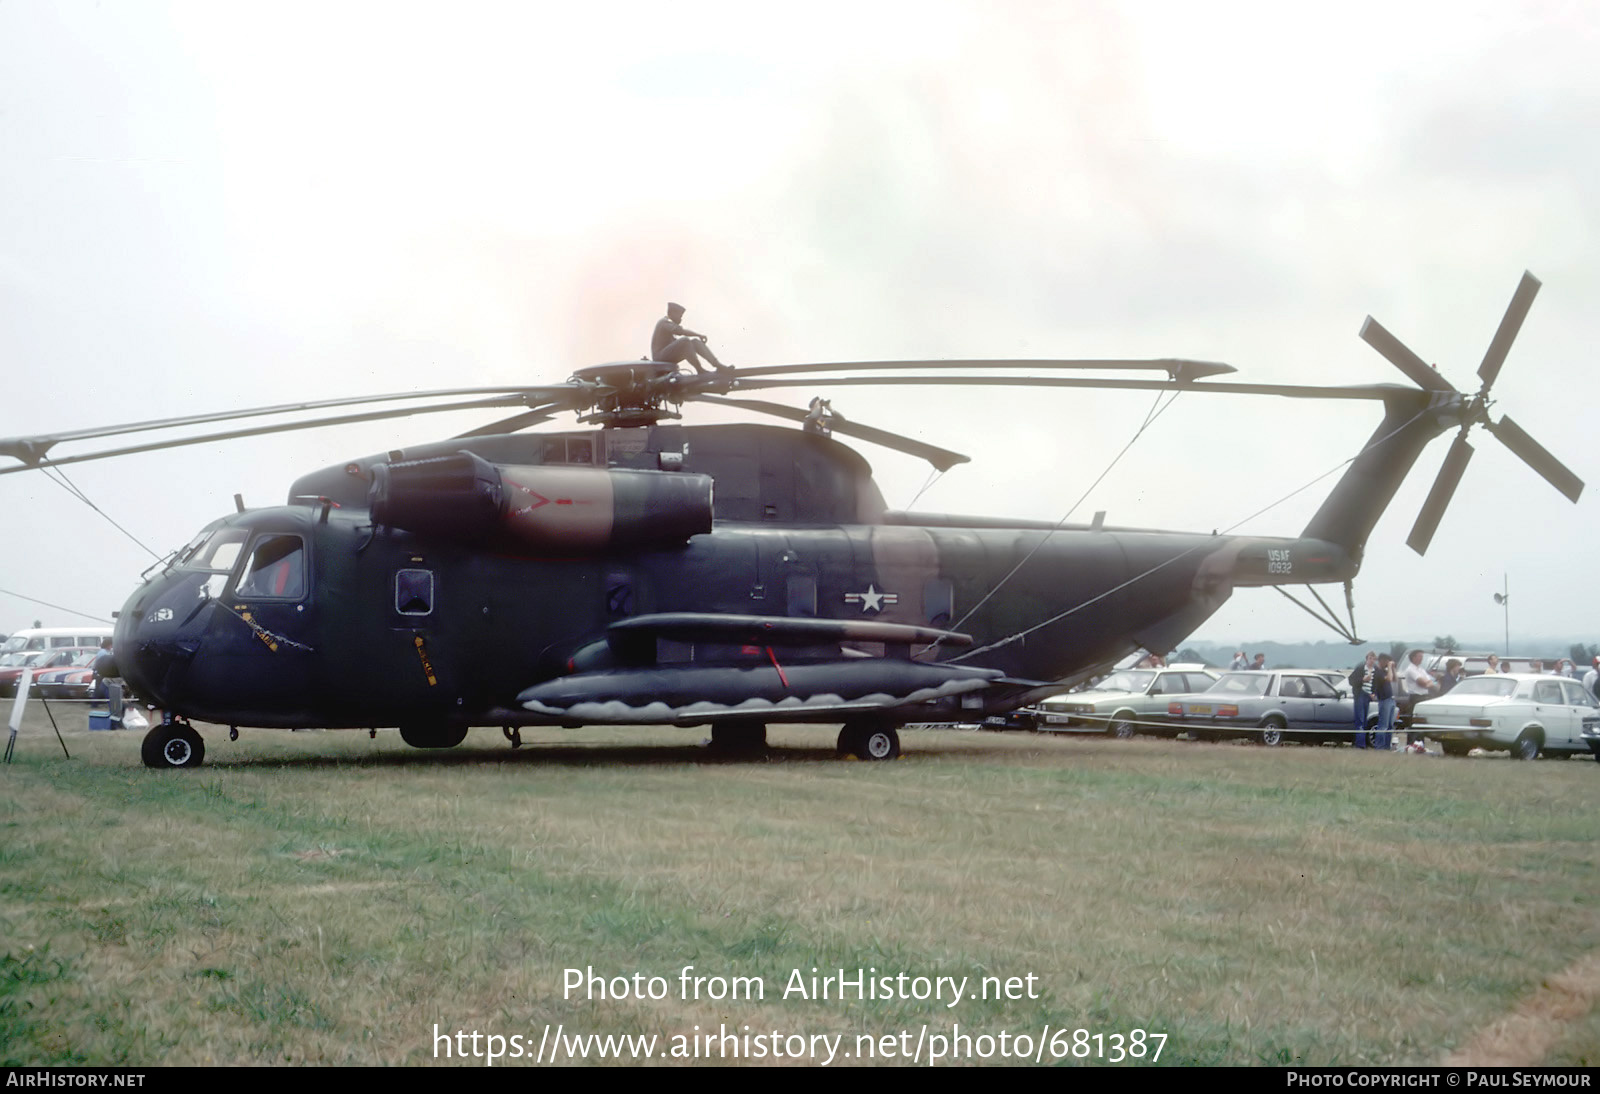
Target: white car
<point>1123,704</point>
<point>1516,712</point>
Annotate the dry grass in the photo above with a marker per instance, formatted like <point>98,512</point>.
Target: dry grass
<point>329,898</point>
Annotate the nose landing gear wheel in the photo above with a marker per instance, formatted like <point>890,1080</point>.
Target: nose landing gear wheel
<point>175,744</point>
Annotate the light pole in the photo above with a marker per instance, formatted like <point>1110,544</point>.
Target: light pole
<point>1504,600</point>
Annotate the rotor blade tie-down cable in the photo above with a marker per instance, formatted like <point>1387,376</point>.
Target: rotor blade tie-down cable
<point>57,607</point>
<point>1008,639</point>
<point>1150,416</point>
<point>52,472</point>
<point>934,475</point>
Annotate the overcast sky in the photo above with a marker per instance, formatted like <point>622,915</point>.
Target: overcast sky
<point>206,206</point>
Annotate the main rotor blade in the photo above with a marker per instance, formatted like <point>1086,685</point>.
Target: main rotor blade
<point>254,431</point>
<point>1179,368</point>
<point>1444,488</point>
<point>32,448</point>
<point>1535,455</point>
<point>1293,391</point>
<point>1421,373</point>
<point>513,423</point>
<point>1510,324</point>
<point>941,458</point>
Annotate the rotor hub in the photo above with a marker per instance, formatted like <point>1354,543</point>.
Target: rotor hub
<point>628,393</point>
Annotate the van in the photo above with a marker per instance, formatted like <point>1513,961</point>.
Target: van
<point>52,638</point>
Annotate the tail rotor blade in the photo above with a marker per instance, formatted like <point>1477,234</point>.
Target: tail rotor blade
<point>1421,373</point>
<point>1534,454</point>
<point>1444,488</point>
<point>1516,312</point>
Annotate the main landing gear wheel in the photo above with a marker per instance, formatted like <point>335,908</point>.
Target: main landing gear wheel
<point>868,741</point>
<point>174,744</point>
<point>432,735</point>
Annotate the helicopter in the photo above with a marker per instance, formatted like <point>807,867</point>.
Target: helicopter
<point>645,572</point>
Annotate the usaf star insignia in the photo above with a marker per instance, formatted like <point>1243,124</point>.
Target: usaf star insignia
<point>872,600</point>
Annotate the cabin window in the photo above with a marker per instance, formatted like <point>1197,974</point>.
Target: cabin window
<point>275,570</point>
<point>413,592</point>
<point>802,596</point>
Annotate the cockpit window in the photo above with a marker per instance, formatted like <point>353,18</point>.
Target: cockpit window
<point>276,569</point>
<point>218,553</point>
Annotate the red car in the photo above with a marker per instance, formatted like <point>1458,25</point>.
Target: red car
<point>13,664</point>
<point>74,681</point>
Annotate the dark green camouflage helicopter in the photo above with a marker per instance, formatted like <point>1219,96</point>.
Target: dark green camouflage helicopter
<point>645,572</point>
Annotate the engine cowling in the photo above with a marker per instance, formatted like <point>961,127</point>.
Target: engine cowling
<point>465,498</point>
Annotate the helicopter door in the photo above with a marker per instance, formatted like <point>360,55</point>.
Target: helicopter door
<point>269,657</point>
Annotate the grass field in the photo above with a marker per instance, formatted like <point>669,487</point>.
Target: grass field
<point>330,898</point>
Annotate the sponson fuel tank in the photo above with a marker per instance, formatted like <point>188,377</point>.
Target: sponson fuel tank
<point>465,498</point>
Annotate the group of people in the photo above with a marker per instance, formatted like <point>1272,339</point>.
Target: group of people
<point>1241,663</point>
<point>1396,691</point>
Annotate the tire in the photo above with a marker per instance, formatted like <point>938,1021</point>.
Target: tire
<point>432,735</point>
<point>869,741</point>
<point>172,745</point>
<point>879,743</point>
<point>1122,726</point>
<point>1526,746</point>
<point>1271,733</point>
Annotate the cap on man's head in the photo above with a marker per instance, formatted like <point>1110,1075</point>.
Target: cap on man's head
<point>674,307</point>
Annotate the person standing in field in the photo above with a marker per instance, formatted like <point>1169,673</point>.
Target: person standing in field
<point>1383,691</point>
<point>1363,680</point>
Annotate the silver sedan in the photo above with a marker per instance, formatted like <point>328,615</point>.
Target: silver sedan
<point>1270,707</point>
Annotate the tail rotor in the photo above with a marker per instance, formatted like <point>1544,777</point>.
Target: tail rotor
<point>1472,411</point>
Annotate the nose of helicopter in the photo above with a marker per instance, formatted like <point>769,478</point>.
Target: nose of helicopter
<point>157,634</point>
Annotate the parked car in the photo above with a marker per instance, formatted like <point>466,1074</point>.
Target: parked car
<point>74,681</point>
<point>12,664</point>
<point>1021,718</point>
<point>1123,704</point>
<point>1519,713</point>
<point>1475,664</point>
<point>1268,706</point>
<point>1591,736</point>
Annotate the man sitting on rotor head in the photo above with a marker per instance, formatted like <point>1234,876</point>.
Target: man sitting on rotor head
<point>674,343</point>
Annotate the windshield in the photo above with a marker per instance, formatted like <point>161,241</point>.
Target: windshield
<point>27,657</point>
<point>218,553</point>
<point>13,644</point>
<point>1241,683</point>
<point>1127,680</point>
<point>1497,686</point>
